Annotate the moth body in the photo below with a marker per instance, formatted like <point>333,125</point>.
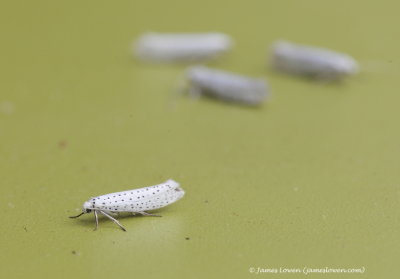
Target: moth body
<point>134,201</point>
<point>311,61</point>
<point>181,47</point>
<point>226,86</point>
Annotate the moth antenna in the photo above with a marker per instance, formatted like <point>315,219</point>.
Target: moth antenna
<point>77,215</point>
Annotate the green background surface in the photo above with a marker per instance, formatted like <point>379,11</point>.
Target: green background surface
<point>310,179</point>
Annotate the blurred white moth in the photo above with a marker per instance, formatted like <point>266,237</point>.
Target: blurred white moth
<point>312,61</point>
<point>184,47</point>
<point>226,86</point>
<point>134,201</point>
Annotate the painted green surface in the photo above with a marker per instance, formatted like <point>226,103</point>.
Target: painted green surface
<point>309,179</point>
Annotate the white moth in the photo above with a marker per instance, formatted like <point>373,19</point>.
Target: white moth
<point>311,61</point>
<point>133,201</point>
<point>185,47</point>
<point>226,86</point>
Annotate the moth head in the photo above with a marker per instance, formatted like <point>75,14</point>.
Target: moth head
<point>87,207</point>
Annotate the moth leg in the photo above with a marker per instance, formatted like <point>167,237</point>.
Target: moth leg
<point>181,86</point>
<point>327,76</point>
<point>148,214</point>
<point>113,219</point>
<point>96,217</point>
<point>194,92</point>
<point>114,214</point>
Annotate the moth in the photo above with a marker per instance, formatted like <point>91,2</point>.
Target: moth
<point>226,86</point>
<point>133,201</point>
<point>310,61</point>
<point>181,47</point>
